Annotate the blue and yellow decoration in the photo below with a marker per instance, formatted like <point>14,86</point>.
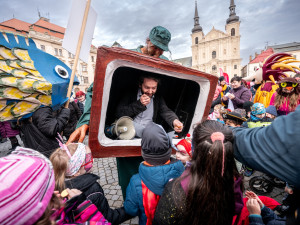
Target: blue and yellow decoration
<point>29,78</point>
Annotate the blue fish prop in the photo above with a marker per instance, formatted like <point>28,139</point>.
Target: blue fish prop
<point>29,78</point>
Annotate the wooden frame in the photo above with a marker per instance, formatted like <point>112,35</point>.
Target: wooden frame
<point>108,60</point>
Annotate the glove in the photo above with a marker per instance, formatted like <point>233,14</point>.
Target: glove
<point>78,134</point>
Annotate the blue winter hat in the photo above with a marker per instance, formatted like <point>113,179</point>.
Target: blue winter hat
<point>258,109</point>
<point>160,37</point>
<point>272,110</point>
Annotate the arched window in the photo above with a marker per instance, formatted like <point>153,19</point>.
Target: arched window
<point>232,32</point>
<point>196,40</point>
<point>214,67</point>
<point>214,54</point>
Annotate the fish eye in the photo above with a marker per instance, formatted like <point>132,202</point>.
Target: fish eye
<point>294,84</point>
<point>61,71</point>
<point>283,84</point>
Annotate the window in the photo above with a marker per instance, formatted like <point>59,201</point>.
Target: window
<point>232,32</point>
<point>85,80</point>
<point>214,68</point>
<point>60,52</point>
<point>84,68</point>
<point>92,58</point>
<point>56,51</point>
<point>224,51</point>
<point>235,67</point>
<point>71,55</point>
<point>235,75</point>
<point>43,48</point>
<point>196,40</point>
<point>93,68</point>
<point>214,54</point>
<point>203,55</point>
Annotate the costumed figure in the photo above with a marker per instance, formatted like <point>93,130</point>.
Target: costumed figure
<point>30,80</point>
<point>287,96</point>
<point>273,69</point>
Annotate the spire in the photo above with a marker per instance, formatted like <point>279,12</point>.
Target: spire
<point>197,27</point>
<point>232,16</point>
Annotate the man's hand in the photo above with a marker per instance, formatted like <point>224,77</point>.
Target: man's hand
<point>145,99</point>
<point>178,126</point>
<point>253,206</point>
<point>78,134</point>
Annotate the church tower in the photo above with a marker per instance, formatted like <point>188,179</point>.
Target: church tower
<point>197,35</point>
<point>217,50</point>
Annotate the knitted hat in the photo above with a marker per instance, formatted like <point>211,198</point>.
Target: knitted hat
<point>156,147</point>
<point>160,37</point>
<point>26,186</point>
<point>234,116</point>
<point>187,146</point>
<point>272,110</point>
<point>247,106</point>
<point>258,109</point>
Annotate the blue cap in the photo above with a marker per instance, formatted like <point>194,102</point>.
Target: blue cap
<point>258,109</point>
<point>272,110</point>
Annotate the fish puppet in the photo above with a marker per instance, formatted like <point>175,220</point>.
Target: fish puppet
<point>29,78</point>
<point>271,71</point>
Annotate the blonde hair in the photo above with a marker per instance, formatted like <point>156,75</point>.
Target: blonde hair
<point>59,159</point>
<point>219,107</point>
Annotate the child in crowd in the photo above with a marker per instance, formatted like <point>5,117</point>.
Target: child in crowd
<point>72,165</point>
<point>233,119</point>
<point>217,113</point>
<point>209,192</point>
<point>27,193</point>
<point>271,112</point>
<point>258,117</point>
<point>184,151</point>
<point>146,187</point>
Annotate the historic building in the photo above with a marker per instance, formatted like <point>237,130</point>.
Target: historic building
<point>48,37</point>
<point>217,49</point>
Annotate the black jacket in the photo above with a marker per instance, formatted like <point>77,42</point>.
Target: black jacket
<point>87,183</point>
<point>75,114</point>
<point>41,132</point>
<point>130,106</point>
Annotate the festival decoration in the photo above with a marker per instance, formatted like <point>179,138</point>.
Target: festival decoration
<point>29,78</point>
<point>272,70</point>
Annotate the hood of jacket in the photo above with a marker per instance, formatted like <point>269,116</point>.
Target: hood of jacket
<point>156,177</point>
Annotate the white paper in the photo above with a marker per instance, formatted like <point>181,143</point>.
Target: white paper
<point>73,30</point>
<point>230,105</point>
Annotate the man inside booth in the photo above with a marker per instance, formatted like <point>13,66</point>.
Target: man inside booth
<point>145,99</point>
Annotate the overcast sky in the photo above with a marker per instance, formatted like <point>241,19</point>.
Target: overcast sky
<point>129,21</point>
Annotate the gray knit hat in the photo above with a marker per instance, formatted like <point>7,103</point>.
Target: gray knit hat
<point>156,147</point>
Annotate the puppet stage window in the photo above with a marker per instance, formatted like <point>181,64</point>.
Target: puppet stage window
<point>181,95</point>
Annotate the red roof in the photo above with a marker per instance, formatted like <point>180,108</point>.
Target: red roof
<point>41,26</point>
<point>50,26</point>
<point>262,56</point>
<point>15,24</point>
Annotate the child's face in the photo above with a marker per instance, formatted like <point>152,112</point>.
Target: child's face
<point>231,123</point>
<point>87,165</point>
<point>270,116</point>
<point>182,155</point>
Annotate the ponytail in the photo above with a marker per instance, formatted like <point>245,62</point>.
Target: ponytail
<point>59,160</point>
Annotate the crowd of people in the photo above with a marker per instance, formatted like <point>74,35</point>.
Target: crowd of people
<point>50,182</point>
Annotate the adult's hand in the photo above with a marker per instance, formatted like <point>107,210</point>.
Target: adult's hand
<point>145,99</point>
<point>79,134</point>
<point>231,96</point>
<point>253,206</point>
<point>178,126</point>
<point>73,192</point>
